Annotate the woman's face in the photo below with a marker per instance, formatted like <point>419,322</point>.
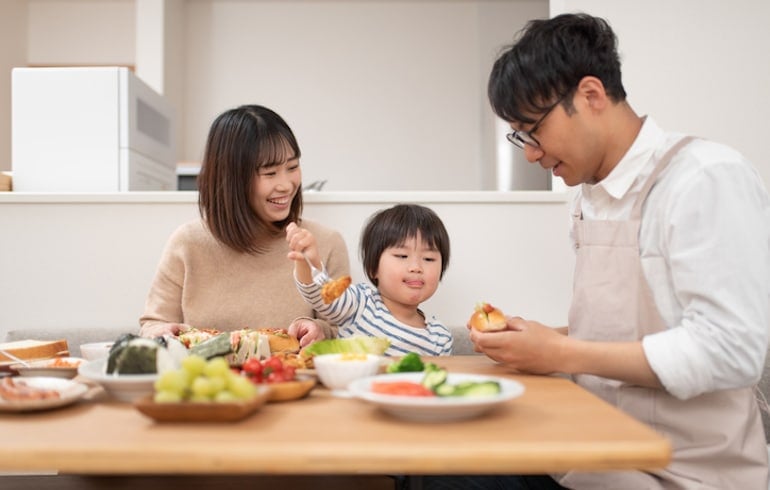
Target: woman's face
<point>274,189</point>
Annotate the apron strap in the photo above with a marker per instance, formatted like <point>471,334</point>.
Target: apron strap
<point>636,211</point>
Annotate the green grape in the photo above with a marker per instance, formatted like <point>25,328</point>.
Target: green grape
<point>217,366</point>
<point>199,399</point>
<point>218,384</point>
<point>225,396</point>
<point>172,382</point>
<point>202,387</point>
<point>194,365</point>
<point>167,397</point>
<point>242,388</point>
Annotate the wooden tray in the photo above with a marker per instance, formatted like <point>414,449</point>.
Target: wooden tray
<point>291,390</point>
<point>202,412</point>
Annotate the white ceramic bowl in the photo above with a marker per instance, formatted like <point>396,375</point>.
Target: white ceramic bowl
<point>122,387</point>
<point>337,371</point>
<point>95,350</point>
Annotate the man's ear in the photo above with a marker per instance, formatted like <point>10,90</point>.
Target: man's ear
<point>590,91</point>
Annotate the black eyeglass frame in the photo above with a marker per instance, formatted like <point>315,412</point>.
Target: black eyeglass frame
<point>522,138</point>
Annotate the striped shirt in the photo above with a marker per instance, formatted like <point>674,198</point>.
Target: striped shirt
<point>361,311</point>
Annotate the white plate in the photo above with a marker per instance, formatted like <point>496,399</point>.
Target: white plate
<point>123,387</point>
<point>69,391</point>
<point>434,409</point>
<point>49,368</point>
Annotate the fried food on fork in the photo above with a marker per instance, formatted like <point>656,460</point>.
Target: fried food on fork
<point>334,289</point>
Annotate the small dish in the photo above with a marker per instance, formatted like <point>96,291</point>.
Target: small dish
<point>58,367</point>
<point>95,350</point>
<point>291,390</point>
<point>69,391</point>
<point>337,371</point>
<point>435,409</point>
<point>204,411</point>
<point>122,387</point>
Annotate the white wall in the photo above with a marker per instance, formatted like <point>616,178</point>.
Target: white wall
<point>84,32</point>
<point>395,87</point>
<point>382,95</point>
<point>87,261</point>
<point>696,66</point>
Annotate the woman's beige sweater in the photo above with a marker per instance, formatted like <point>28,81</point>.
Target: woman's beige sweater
<point>205,284</point>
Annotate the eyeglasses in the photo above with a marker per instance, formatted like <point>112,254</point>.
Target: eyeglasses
<point>523,138</point>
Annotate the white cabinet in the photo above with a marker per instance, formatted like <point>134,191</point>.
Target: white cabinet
<point>90,129</point>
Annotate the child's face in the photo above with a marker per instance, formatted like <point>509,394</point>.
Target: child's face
<point>409,274</point>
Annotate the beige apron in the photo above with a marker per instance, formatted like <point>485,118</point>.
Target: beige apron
<point>717,438</point>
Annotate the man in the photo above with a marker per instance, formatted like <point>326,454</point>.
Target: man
<point>669,318</point>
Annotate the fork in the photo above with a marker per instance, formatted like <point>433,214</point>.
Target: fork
<point>320,276</point>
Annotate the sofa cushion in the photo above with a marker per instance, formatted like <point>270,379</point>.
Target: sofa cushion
<point>461,345</point>
<point>74,336</point>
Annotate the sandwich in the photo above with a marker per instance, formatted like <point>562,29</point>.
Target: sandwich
<point>487,318</point>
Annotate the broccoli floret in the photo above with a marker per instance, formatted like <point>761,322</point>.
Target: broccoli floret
<point>410,363</point>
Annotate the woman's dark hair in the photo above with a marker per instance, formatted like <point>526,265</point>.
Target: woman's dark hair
<point>393,226</point>
<point>548,61</point>
<point>240,142</point>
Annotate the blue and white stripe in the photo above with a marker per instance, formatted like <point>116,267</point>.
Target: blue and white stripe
<point>361,311</point>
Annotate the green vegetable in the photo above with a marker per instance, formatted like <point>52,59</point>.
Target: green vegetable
<point>219,345</point>
<point>435,380</point>
<point>431,367</point>
<point>360,345</point>
<point>410,363</point>
<point>479,388</point>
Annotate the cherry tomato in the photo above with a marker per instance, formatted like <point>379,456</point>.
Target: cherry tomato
<point>272,364</point>
<point>252,367</point>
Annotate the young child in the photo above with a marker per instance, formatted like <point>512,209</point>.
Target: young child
<point>405,251</point>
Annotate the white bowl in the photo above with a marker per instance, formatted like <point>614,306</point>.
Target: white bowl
<point>95,350</point>
<point>337,371</point>
<point>123,387</point>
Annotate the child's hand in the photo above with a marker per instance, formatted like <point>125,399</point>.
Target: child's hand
<point>301,245</point>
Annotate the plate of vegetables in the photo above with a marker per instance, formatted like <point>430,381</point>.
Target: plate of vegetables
<point>284,382</point>
<point>435,395</point>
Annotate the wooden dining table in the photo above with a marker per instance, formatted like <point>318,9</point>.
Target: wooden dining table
<point>554,426</point>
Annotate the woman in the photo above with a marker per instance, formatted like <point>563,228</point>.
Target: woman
<point>228,270</point>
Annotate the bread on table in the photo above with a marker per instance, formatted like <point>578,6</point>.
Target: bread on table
<point>29,350</point>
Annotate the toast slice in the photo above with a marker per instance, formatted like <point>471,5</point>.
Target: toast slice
<point>29,350</point>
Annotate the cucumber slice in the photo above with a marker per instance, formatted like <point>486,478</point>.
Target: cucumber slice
<point>434,379</point>
<point>482,388</point>
<point>445,389</point>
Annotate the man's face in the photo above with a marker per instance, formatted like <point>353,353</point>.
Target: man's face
<point>570,144</point>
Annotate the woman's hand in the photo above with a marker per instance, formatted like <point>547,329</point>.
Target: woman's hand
<point>306,330</point>
<point>527,346</point>
<point>159,329</point>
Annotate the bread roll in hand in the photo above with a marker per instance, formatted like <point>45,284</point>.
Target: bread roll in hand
<point>487,318</point>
